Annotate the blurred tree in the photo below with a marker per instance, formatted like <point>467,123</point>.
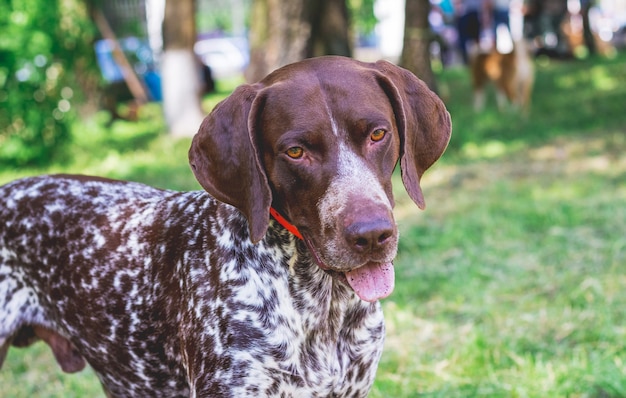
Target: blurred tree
<point>44,46</point>
<point>286,31</point>
<point>180,69</point>
<point>417,37</point>
<point>330,28</point>
<point>278,35</point>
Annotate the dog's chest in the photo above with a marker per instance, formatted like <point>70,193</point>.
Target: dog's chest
<point>274,324</point>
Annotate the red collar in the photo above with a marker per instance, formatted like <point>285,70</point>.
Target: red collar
<point>283,221</point>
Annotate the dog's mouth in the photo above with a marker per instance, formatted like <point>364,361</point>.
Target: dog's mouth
<point>371,281</point>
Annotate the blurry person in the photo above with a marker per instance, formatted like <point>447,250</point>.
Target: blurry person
<point>498,13</point>
<point>497,17</point>
<point>441,19</point>
<point>552,14</point>
<point>468,24</point>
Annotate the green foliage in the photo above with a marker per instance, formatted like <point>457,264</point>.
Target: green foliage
<point>362,16</point>
<point>41,42</point>
<point>227,16</point>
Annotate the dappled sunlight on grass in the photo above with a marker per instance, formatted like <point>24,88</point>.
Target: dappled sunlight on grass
<point>511,279</point>
<point>603,80</point>
<point>599,77</point>
<point>487,150</point>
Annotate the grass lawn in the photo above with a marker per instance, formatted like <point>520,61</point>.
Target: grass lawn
<point>512,283</point>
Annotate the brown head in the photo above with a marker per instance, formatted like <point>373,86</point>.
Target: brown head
<point>318,140</point>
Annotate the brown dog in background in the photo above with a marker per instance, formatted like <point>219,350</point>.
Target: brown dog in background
<point>512,74</point>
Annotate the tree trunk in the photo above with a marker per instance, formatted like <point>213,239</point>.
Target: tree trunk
<point>286,31</point>
<point>180,69</point>
<point>330,34</point>
<point>417,36</point>
<point>278,36</point>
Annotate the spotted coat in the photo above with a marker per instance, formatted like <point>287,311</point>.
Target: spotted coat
<point>214,285</point>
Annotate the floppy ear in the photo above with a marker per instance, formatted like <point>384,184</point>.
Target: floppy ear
<point>225,160</point>
<point>423,122</point>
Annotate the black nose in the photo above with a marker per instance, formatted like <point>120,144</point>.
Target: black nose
<point>369,236</point>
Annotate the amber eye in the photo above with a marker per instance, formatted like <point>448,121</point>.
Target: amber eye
<point>295,152</point>
<point>378,135</point>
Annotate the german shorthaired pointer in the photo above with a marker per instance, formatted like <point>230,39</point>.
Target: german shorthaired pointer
<point>178,294</point>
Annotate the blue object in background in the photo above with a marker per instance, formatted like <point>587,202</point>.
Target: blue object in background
<point>139,56</point>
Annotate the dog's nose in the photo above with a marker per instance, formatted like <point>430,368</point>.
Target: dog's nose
<point>369,236</point>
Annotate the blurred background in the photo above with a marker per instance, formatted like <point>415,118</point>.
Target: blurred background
<point>511,284</point>
<point>62,59</point>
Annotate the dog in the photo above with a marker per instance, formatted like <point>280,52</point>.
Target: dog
<point>512,74</point>
<point>268,283</point>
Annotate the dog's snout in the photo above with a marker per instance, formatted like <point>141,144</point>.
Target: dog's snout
<point>369,236</point>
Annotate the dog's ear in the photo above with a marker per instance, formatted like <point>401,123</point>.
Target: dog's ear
<point>225,160</point>
<point>423,122</point>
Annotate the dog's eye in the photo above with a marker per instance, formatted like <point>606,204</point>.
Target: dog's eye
<point>295,152</point>
<point>378,135</point>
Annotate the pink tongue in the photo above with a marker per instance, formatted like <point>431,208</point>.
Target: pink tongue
<point>373,281</point>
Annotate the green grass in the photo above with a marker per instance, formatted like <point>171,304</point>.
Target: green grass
<point>510,284</point>
<point>514,286</point>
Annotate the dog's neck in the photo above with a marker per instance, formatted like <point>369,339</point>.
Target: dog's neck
<point>329,315</point>
<point>325,300</point>
<point>286,224</point>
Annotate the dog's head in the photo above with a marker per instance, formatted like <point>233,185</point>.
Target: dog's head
<point>318,140</point>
